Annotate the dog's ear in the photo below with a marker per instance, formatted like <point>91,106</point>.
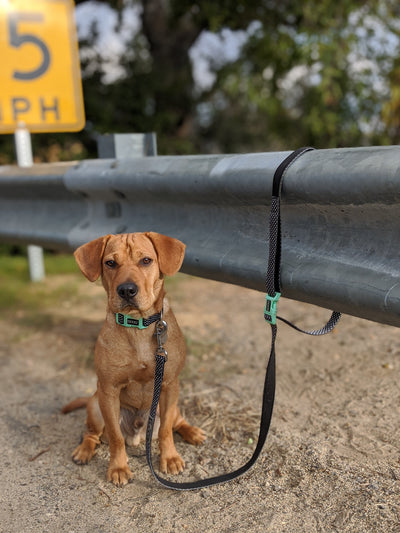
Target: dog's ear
<point>170,252</point>
<point>89,257</point>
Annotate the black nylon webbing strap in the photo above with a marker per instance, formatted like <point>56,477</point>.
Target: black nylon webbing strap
<point>274,258</point>
<point>273,287</point>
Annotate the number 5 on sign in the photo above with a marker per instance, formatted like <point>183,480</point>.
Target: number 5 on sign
<point>19,39</point>
<point>40,75</point>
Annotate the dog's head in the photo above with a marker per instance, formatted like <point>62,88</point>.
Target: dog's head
<point>132,267</point>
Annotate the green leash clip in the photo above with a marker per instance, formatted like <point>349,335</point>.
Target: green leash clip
<point>270,309</point>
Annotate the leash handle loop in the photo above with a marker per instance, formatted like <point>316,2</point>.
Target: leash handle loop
<point>273,281</point>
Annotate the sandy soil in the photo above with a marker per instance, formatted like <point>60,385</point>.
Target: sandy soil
<point>331,462</point>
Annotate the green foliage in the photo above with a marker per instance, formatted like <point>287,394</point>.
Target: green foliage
<point>315,77</point>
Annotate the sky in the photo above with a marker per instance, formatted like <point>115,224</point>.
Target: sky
<point>111,42</point>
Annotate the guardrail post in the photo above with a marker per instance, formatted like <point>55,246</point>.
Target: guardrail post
<point>23,149</point>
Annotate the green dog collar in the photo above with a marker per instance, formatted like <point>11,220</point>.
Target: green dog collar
<point>139,323</point>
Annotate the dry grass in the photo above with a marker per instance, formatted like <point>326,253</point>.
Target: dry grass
<point>221,413</point>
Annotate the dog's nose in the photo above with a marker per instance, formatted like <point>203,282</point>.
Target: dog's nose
<point>127,291</point>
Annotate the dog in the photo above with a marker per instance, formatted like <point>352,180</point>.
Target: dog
<point>132,267</point>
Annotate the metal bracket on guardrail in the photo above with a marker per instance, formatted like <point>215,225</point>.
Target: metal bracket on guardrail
<point>120,145</point>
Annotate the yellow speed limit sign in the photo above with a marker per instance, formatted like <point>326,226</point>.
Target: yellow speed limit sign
<point>40,82</point>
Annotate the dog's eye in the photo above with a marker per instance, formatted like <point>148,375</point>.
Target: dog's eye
<point>146,261</point>
<point>111,263</point>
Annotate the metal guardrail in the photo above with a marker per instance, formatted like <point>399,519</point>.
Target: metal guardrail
<point>340,217</point>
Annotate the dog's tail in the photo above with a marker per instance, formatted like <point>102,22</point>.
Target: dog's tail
<point>78,403</point>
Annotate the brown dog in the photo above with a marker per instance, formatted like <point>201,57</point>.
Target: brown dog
<point>132,267</point>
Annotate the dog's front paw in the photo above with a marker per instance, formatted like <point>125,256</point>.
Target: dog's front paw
<point>172,465</point>
<point>120,476</point>
<point>85,451</point>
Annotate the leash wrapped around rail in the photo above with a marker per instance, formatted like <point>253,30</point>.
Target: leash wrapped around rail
<point>273,281</point>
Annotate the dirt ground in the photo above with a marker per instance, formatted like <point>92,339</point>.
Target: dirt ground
<point>331,462</point>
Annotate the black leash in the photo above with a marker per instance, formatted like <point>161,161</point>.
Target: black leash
<point>268,402</point>
<point>273,293</point>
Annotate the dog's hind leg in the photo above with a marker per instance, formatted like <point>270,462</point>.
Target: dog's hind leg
<point>191,434</point>
<point>91,439</point>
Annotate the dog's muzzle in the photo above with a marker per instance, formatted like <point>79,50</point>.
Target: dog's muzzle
<point>127,291</point>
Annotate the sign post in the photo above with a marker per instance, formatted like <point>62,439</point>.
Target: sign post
<point>23,149</point>
<point>40,79</point>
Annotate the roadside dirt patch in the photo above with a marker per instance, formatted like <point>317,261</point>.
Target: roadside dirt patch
<point>331,462</point>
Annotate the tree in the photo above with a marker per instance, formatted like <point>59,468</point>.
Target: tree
<point>305,73</point>
<point>317,77</point>
<point>320,73</point>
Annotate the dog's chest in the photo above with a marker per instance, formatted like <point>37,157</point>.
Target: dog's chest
<point>137,390</point>
<point>130,357</point>
<point>141,365</point>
